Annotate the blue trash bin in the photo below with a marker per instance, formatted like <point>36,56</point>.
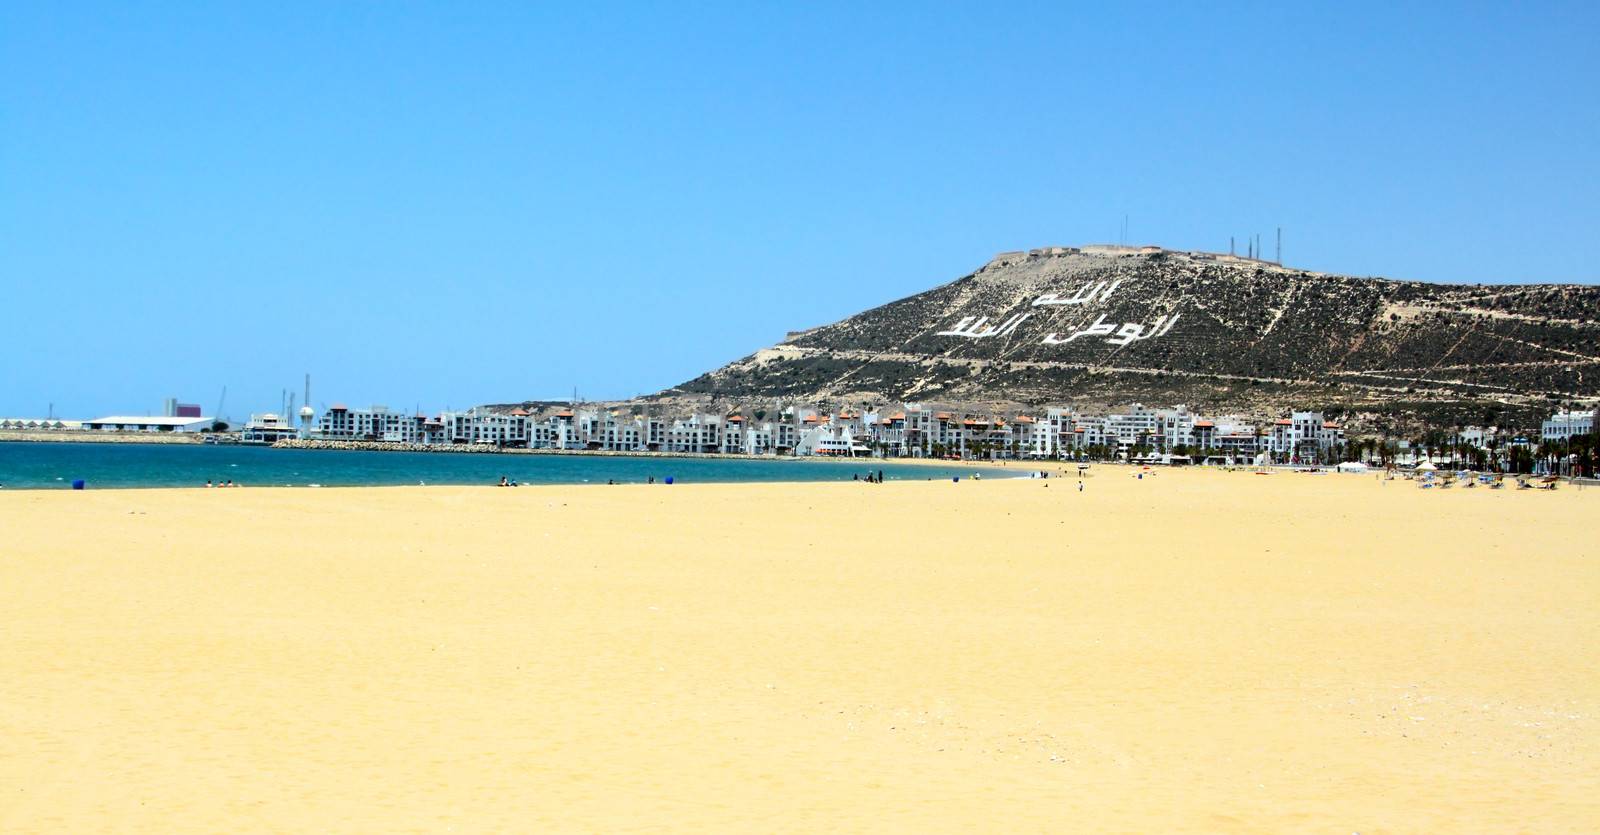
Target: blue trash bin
<point>669,479</point>
<point>77,484</point>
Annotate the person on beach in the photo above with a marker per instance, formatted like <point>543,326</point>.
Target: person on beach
<point>209,484</point>
<point>504,482</point>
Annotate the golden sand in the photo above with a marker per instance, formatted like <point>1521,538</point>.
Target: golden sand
<point>1201,652</point>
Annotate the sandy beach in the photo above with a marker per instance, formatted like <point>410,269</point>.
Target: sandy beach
<point>1196,651</point>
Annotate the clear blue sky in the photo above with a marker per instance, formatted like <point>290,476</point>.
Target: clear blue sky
<point>458,203</point>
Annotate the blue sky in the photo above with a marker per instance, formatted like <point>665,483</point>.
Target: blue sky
<point>450,204</point>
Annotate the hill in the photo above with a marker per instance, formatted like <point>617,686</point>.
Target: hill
<point>1102,326</point>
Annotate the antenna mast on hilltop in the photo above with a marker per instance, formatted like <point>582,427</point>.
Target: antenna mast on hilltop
<point>1280,246</point>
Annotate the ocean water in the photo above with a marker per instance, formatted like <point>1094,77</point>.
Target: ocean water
<point>56,465</point>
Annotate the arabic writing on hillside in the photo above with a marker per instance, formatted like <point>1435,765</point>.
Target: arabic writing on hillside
<point>973,327</point>
<point>1116,333</point>
<point>1120,335</point>
<point>1086,294</point>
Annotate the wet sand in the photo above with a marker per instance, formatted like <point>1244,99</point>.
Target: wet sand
<point>1197,651</point>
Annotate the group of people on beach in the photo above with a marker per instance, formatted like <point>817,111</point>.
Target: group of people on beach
<point>221,483</point>
<point>870,478</point>
<point>511,482</point>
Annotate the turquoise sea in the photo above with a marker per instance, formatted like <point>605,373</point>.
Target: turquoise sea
<point>57,465</point>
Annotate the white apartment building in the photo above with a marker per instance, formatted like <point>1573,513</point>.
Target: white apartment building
<point>376,423</point>
<point>915,430</point>
<point>1477,437</point>
<point>1303,437</point>
<point>1158,428</point>
<point>697,433</point>
<point>1565,424</point>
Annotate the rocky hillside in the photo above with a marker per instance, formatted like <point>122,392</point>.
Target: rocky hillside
<point>1102,326</point>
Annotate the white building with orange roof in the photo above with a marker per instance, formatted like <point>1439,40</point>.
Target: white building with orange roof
<point>888,431</point>
<point>1280,437</point>
<point>733,439</point>
<point>1034,438</point>
<point>1303,437</point>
